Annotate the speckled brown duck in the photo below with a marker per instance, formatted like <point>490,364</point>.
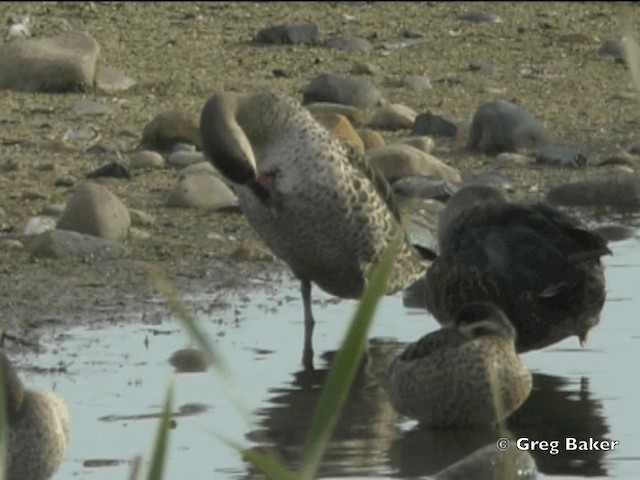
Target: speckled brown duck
<point>316,202</point>
<point>541,266</point>
<point>467,374</point>
<point>39,428</point>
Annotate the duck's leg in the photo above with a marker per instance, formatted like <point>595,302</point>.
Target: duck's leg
<point>307,353</point>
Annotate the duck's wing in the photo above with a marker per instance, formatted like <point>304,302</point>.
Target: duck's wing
<point>447,337</point>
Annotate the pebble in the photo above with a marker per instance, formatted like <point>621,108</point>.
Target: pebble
<point>393,117</point>
<point>202,168</point>
<point>146,159</point>
<point>94,210</point>
<point>479,17</point>
<point>39,224</point>
<point>371,138</point>
<point>501,126</point>
<point>426,187</point>
<point>249,251</point>
<point>64,244</point>
<point>140,218</point>
<point>430,124</point>
<point>11,244</point>
<point>89,107</point>
<point>111,80</point>
<point>113,169</point>
<point>494,179</point>
<point>355,115</point>
<point>343,88</point>
<point>53,209</point>
<point>290,33</point>
<point>201,191</point>
<point>421,142</point>
<point>65,180</point>
<point>399,161</point>
<point>139,234</point>
<point>612,47</point>
<point>341,127</point>
<point>183,158</point>
<point>622,191</point>
<point>510,158</point>
<point>486,68</point>
<point>417,83</point>
<point>33,194</point>
<point>560,156</point>
<point>365,68</point>
<point>621,158</point>
<point>169,128</point>
<point>62,63</point>
<point>349,44</point>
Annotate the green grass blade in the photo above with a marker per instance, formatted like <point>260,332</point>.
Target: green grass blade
<point>268,463</point>
<point>4,429</point>
<point>345,366</point>
<point>201,339</point>
<point>158,459</point>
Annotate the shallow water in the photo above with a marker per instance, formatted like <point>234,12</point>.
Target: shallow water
<point>113,375</point>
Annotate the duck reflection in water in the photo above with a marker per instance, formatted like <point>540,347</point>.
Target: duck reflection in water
<point>371,438</point>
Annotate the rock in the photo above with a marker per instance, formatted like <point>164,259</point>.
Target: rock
<point>421,142</point>
<point>417,83</point>
<point>113,169</point>
<point>340,126</point>
<point>399,161</point>
<point>612,47</point>
<point>11,244</point>
<point>140,218</point>
<point>370,138</point>
<point>249,251</point>
<point>94,210</point>
<point>291,33</point>
<point>169,128</point>
<point>479,17</point>
<point>111,80</point>
<point>365,68</point>
<point>486,68</point>
<point>425,187</point>
<point>63,63</point>
<point>39,224</point>
<point>393,117</point>
<point>501,126</point>
<point>622,191</point>
<point>183,158</point>
<point>355,115</point>
<point>65,180</point>
<point>89,107</point>
<point>495,179</point>
<point>509,158</point>
<point>349,44</point>
<point>202,168</point>
<point>201,191</point>
<point>621,158</point>
<point>63,244</point>
<point>561,156</point>
<point>146,159</point>
<point>189,360</point>
<point>345,89</point>
<point>430,124</point>
<point>53,209</point>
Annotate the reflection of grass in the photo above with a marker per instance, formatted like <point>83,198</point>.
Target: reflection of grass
<point>332,398</point>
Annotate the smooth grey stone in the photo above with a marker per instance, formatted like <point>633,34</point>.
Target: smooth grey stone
<point>501,126</point>
<point>621,191</point>
<point>112,80</point>
<point>349,44</point>
<point>344,89</point>
<point>89,107</point>
<point>181,159</point>
<point>39,224</point>
<point>416,83</point>
<point>146,159</point>
<point>425,186</point>
<point>393,117</point>
<point>53,209</point>
<point>561,156</point>
<point>430,124</point>
<point>113,169</point>
<point>612,47</point>
<point>291,33</point>
<point>495,179</point>
<point>399,160</point>
<point>64,244</point>
<point>65,180</point>
<point>94,210</point>
<point>202,191</point>
<point>202,168</point>
<point>63,63</point>
<point>168,128</point>
<point>421,142</point>
<point>479,17</point>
